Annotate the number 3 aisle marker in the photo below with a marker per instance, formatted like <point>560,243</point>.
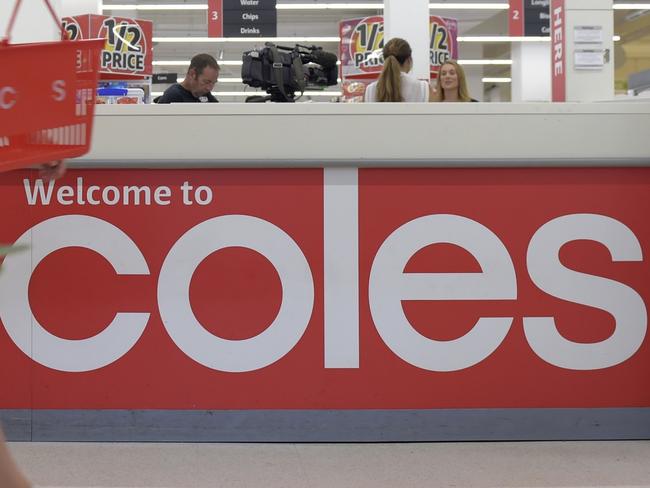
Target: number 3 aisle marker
<point>215,18</point>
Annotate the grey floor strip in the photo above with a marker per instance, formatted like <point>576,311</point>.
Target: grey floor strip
<point>16,424</point>
<point>326,425</point>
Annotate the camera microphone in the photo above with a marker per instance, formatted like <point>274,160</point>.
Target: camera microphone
<point>325,59</point>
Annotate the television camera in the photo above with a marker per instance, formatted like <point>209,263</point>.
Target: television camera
<point>282,71</point>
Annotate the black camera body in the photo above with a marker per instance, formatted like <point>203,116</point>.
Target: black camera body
<point>283,71</point>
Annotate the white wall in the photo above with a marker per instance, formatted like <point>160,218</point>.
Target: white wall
<point>78,7</point>
<point>474,74</point>
<point>494,94</point>
<point>34,22</point>
<point>531,72</point>
<point>589,85</point>
<point>410,20</point>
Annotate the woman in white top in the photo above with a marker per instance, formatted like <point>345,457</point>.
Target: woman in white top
<point>394,84</point>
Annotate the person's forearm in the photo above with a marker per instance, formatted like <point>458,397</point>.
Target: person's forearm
<point>10,475</point>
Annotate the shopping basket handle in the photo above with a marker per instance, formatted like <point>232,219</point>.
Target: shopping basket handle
<point>10,26</point>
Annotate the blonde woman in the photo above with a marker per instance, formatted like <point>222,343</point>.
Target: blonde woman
<point>394,84</point>
<point>451,85</point>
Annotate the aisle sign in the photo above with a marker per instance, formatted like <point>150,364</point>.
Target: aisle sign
<point>558,52</point>
<point>516,18</point>
<point>529,18</point>
<point>242,18</point>
<point>215,18</point>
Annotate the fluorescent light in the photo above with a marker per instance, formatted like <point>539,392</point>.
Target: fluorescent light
<point>329,6</point>
<point>310,6</point>
<point>483,62</point>
<point>347,6</point>
<point>239,63</point>
<point>246,39</point>
<point>380,6</point>
<point>258,40</point>
<point>511,38</point>
<point>469,6</point>
<point>187,63</point>
<point>496,80</point>
<point>221,63</point>
<point>140,6</point>
<point>336,39</point>
<point>170,63</point>
<point>631,6</point>
<point>250,93</point>
<point>221,80</point>
<point>228,80</point>
<point>503,38</point>
<point>307,94</point>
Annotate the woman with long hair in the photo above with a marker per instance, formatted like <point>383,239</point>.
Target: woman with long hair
<point>394,84</point>
<point>451,84</point>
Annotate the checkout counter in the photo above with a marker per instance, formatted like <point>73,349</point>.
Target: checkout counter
<point>334,272</point>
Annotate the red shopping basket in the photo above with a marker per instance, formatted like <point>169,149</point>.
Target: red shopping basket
<point>47,98</point>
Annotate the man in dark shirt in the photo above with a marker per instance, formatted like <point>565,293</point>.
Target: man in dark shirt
<point>199,81</point>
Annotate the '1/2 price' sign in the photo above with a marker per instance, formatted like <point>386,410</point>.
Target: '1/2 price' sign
<point>128,49</point>
<point>362,41</point>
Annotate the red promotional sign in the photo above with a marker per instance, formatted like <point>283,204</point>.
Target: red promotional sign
<point>215,18</point>
<point>558,51</point>
<point>443,46</point>
<point>129,48</point>
<point>516,18</point>
<point>362,41</point>
<point>211,289</point>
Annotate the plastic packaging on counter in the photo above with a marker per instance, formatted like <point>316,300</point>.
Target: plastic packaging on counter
<point>119,95</point>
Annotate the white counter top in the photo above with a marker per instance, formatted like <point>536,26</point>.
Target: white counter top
<point>366,135</point>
